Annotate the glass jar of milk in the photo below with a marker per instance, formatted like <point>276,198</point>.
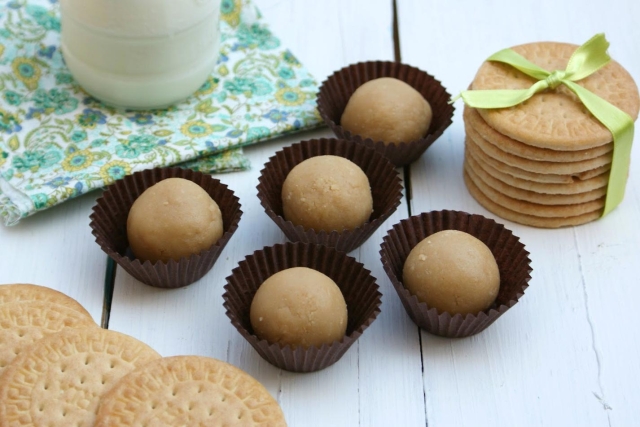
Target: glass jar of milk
<point>140,54</point>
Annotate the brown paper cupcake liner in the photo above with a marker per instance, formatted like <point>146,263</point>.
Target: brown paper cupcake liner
<point>358,287</point>
<point>386,190</point>
<point>510,254</point>
<point>109,226</point>
<point>337,89</point>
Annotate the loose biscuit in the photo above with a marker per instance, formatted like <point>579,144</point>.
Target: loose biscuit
<point>23,323</point>
<point>188,391</point>
<point>59,380</point>
<point>473,119</point>
<point>530,220</point>
<point>555,118</point>
<point>532,196</point>
<point>26,292</point>
<point>577,186</point>
<point>533,176</point>
<point>561,168</point>
<point>534,209</point>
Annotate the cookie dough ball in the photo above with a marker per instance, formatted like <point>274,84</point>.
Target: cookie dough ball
<point>453,272</point>
<point>327,193</point>
<point>175,218</point>
<point>387,110</point>
<point>299,307</point>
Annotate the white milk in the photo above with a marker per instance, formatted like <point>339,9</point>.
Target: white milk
<point>140,54</point>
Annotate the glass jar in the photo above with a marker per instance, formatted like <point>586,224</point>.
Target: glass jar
<point>140,54</point>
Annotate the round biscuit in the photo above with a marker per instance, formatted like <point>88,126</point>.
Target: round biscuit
<point>473,119</point>
<point>534,209</point>
<point>533,176</point>
<point>555,118</point>
<point>559,168</point>
<point>189,390</point>
<point>59,380</point>
<point>532,196</point>
<point>577,186</point>
<point>23,323</point>
<point>531,220</point>
<point>19,292</point>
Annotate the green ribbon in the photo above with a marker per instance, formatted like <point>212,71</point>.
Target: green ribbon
<point>586,60</point>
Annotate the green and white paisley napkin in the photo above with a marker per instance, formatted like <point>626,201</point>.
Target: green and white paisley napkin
<point>56,142</point>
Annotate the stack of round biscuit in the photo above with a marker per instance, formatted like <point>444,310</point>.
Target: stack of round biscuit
<point>544,162</point>
<point>59,369</point>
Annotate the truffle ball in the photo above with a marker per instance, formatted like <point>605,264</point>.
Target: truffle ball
<point>327,193</point>
<point>174,218</point>
<point>453,272</point>
<point>387,110</point>
<point>299,307</point>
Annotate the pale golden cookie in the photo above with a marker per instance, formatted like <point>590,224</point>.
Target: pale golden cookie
<point>189,391</point>
<point>532,196</point>
<point>510,145</point>
<point>560,168</point>
<point>532,176</point>
<point>531,220</point>
<point>20,292</point>
<point>578,186</point>
<point>59,380</point>
<point>23,323</point>
<point>534,209</point>
<point>556,118</point>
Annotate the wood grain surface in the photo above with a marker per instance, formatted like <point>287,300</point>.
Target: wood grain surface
<point>565,355</point>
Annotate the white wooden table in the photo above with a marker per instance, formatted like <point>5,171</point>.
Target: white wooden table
<point>566,355</point>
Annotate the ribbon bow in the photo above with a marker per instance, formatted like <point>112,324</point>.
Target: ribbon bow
<point>586,60</point>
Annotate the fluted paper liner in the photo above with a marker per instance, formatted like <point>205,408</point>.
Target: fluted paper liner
<point>358,287</point>
<point>510,254</point>
<point>109,226</point>
<point>337,89</point>
<point>386,190</point>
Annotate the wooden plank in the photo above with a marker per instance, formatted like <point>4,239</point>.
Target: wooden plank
<point>609,253</point>
<point>610,249</point>
<point>56,249</point>
<point>329,35</point>
<point>560,357</point>
<point>389,364</point>
<point>378,382</point>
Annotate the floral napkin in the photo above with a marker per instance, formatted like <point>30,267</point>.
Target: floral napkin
<point>56,142</point>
